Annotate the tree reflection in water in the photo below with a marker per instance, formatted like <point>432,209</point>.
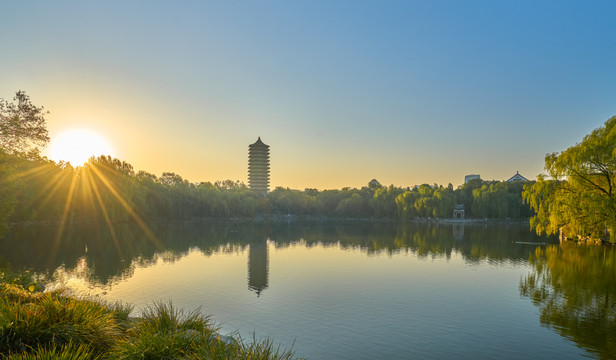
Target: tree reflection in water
<point>574,288</point>
<point>93,246</point>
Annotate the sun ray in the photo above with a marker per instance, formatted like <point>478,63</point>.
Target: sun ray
<point>146,230</point>
<point>99,199</point>
<point>67,206</point>
<point>45,168</point>
<point>54,184</point>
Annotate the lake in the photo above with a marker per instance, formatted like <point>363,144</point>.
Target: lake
<point>350,290</point>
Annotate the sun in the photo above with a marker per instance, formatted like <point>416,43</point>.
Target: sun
<point>77,146</point>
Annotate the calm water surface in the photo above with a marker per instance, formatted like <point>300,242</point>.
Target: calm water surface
<point>352,290</point>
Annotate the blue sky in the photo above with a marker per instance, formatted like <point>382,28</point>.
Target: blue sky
<point>407,92</point>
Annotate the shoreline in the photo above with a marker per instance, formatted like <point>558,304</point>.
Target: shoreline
<point>288,219</point>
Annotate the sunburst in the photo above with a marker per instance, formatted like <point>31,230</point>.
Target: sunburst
<point>77,146</point>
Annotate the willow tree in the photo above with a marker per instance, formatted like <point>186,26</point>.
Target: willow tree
<point>580,198</point>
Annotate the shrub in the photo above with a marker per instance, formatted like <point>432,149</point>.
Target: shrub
<point>68,351</point>
<point>53,319</point>
<point>164,332</point>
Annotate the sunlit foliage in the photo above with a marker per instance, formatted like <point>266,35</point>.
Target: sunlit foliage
<point>496,201</point>
<point>579,199</point>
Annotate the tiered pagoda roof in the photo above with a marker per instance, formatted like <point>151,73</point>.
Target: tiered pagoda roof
<point>258,166</point>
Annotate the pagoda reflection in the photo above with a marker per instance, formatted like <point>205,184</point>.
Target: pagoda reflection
<point>258,266</point>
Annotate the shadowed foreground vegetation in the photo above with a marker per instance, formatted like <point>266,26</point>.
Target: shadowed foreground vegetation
<point>55,325</point>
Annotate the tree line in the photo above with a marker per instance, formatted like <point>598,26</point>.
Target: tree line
<point>576,198</point>
<point>108,189</point>
<point>34,189</point>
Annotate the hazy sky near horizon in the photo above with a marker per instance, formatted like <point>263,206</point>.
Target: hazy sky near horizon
<point>407,92</point>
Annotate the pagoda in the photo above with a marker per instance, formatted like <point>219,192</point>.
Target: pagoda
<point>258,166</point>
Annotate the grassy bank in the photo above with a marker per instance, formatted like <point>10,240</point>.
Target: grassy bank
<point>54,325</point>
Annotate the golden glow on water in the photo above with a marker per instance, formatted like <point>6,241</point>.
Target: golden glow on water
<point>215,279</point>
<point>163,278</point>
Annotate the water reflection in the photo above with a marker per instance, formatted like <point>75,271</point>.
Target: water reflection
<point>458,231</point>
<point>574,288</point>
<point>258,266</point>
<point>33,246</point>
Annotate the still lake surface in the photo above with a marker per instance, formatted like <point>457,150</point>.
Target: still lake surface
<point>350,290</point>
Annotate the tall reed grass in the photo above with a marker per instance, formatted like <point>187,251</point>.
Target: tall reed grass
<point>36,325</point>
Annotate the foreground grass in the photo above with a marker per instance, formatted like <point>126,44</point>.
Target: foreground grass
<point>39,325</point>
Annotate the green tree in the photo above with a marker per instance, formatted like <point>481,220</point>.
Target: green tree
<point>288,201</point>
<point>22,129</point>
<point>490,201</point>
<point>22,125</point>
<point>384,201</point>
<point>445,201</point>
<point>425,203</point>
<point>464,195</point>
<point>7,190</point>
<point>171,179</point>
<point>329,200</point>
<point>352,206</point>
<point>405,204</point>
<point>583,202</point>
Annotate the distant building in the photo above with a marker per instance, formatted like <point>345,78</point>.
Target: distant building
<point>468,178</point>
<point>258,166</point>
<point>374,184</point>
<point>517,177</point>
<point>458,211</point>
